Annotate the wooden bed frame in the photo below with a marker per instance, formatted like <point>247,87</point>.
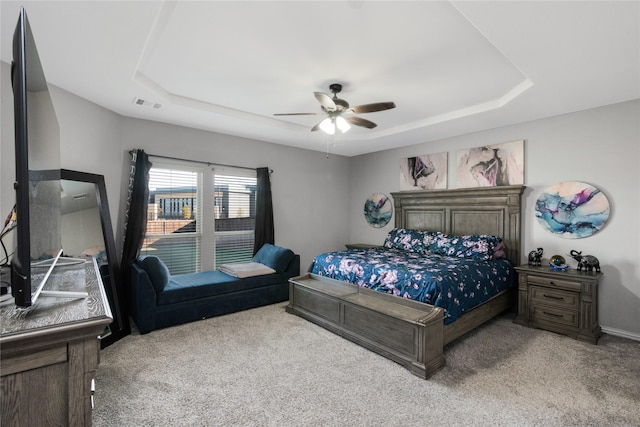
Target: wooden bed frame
<point>411,333</point>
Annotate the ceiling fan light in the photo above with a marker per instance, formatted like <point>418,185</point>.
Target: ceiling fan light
<point>342,124</point>
<point>328,126</point>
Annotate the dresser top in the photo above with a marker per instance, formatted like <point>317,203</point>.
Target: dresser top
<point>51,313</point>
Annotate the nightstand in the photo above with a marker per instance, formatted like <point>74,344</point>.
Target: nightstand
<point>361,246</point>
<point>562,301</point>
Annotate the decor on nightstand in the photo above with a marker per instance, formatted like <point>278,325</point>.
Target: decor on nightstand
<point>572,209</point>
<point>557,262</point>
<point>588,262</point>
<point>378,210</point>
<point>535,257</point>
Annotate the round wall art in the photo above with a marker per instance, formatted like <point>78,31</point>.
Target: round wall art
<point>572,209</point>
<point>378,210</point>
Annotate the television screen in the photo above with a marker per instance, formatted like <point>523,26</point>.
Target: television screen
<point>37,151</point>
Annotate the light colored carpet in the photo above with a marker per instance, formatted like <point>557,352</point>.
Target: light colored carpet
<point>265,367</point>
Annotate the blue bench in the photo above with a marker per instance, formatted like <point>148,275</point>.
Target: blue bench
<point>159,300</point>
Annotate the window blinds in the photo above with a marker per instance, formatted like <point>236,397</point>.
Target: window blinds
<point>235,214</point>
<point>177,223</point>
<point>174,218</point>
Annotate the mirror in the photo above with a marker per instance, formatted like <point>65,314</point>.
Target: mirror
<point>86,230</point>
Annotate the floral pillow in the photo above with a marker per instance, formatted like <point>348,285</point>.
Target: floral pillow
<point>480,247</point>
<point>409,240</point>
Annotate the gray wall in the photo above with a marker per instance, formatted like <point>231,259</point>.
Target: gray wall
<point>599,146</point>
<point>90,141</point>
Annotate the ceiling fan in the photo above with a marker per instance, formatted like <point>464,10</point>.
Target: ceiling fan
<point>336,107</point>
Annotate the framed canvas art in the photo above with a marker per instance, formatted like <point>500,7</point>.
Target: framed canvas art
<point>378,210</point>
<point>572,209</point>
<point>491,165</point>
<point>426,172</point>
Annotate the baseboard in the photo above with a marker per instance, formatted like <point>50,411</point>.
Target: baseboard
<point>621,333</point>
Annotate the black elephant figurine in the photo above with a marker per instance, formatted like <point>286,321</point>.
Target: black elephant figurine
<point>535,257</point>
<point>588,262</point>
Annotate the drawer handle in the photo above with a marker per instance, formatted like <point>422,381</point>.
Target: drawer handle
<point>553,297</point>
<point>552,314</point>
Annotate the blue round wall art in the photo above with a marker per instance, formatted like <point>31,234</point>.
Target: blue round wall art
<point>378,210</point>
<point>572,209</point>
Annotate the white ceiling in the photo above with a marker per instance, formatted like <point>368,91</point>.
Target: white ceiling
<point>451,67</point>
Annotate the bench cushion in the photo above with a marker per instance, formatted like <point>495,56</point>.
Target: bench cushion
<point>186,287</point>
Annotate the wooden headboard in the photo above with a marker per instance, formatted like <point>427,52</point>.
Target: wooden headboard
<point>482,210</point>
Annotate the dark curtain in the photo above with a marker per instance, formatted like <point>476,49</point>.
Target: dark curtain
<point>136,214</point>
<point>264,211</point>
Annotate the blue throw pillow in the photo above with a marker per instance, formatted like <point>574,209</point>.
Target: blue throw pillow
<point>156,270</point>
<point>480,247</point>
<point>274,256</point>
<point>409,240</point>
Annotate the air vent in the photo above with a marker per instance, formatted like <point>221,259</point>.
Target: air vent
<point>145,103</point>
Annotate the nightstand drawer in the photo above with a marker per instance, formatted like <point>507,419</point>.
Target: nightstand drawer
<point>546,314</point>
<point>558,283</point>
<point>554,297</point>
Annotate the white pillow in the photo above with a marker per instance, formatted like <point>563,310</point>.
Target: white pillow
<point>246,269</point>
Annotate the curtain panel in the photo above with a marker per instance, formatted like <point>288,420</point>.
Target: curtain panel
<point>136,214</point>
<point>264,232</point>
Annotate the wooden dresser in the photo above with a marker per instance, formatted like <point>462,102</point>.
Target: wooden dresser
<point>562,301</point>
<point>50,351</point>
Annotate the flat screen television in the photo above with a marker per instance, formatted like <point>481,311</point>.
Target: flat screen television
<point>37,162</point>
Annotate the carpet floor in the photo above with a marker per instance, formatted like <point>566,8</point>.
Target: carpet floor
<point>265,367</point>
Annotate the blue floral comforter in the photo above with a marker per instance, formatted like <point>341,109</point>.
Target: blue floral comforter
<point>454,284</point>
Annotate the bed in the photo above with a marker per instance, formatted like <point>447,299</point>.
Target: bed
<point>347,293</point>
<point>455,284</point>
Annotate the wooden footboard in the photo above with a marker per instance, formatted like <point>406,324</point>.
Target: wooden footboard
<point>407,332</point>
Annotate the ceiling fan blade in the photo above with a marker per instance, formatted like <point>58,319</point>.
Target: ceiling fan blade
<point>316,127</point>
<point>372,108</point>
<point>359,121</point>
<point>295,114</point>
<point>325,100</point>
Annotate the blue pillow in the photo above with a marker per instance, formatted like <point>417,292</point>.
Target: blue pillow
<point>409,240</point>
<point>156,270</point>
<point>480,247</point>
<point>274,256</point>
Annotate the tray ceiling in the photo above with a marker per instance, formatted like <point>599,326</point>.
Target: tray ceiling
<point>450,67</point>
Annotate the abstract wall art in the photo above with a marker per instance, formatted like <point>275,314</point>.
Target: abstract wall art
<point>572,209</point>
<point>378,210</point>
<point>426,172</point>
<point>491,165</point>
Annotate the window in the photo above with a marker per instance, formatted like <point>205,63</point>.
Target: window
<point>193,230</point>
<point>235,215</point>
<point>173,221</point>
